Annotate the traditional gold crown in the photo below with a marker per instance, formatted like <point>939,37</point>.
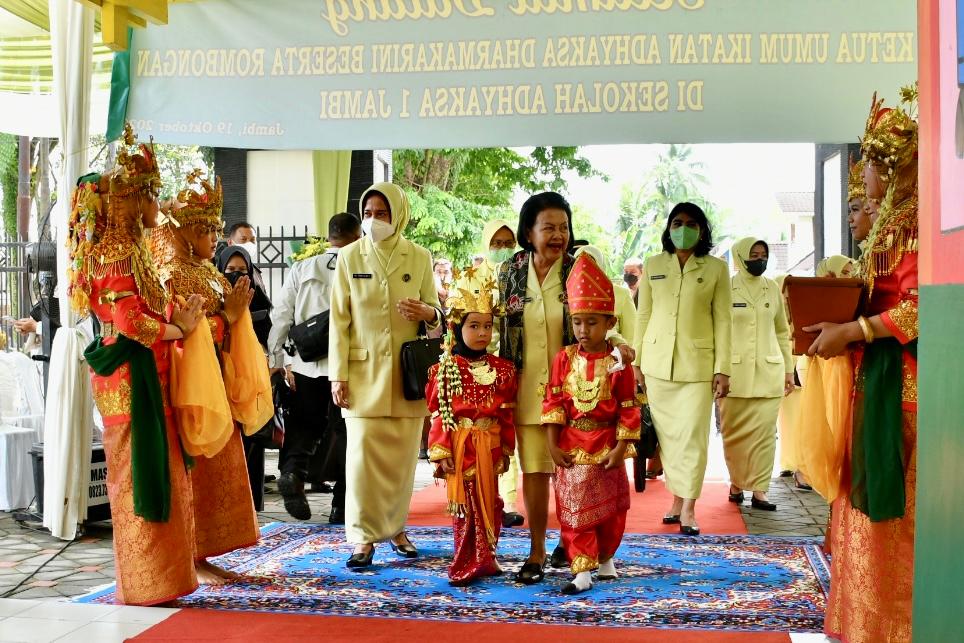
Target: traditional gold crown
<point>201,207</point>
<point>855,181</point>
<point>890,137</point>
<point>465,302</point>
<point>136,169</point>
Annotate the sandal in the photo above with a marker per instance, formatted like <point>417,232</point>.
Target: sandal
<point>531,573</point>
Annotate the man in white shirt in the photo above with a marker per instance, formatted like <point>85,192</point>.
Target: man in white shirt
<point>306,293</point>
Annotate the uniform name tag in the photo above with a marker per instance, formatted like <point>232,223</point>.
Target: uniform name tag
<point>362,275</point>
<point>739,305</point>
<point>655,277</point>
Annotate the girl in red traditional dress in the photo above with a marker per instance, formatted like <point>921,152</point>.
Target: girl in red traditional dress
<point>112,275</point>
<point>591,414</point>
<point>471,396</point>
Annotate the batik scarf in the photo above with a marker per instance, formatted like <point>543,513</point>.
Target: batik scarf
<point>513,279</point>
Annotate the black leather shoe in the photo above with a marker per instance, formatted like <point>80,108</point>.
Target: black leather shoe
<point>671,519</point>
<point>512,519</point>
<point>337,516</point>
<point>531,573</point>
<point>570,588</point>
<point>686,530</point>
<point>423,454</point>
<point>652,475</point>
<point>558,559</point>
<point>765,505</point>
<point>406,549</point>
<point>361,561</point>
<point>292,490</point>
<point>737,497</point>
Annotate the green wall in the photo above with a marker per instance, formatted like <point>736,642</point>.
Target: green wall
<point>939,547</point>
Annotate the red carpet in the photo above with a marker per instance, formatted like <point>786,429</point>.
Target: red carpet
<point>715,514</point>
<point>216,625</point>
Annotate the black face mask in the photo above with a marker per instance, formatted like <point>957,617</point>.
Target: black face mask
<point>233,277</point>
<point>630,279</point>
<point>756,267</point>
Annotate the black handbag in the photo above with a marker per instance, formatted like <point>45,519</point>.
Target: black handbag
<point>417,357</point>
<point>648,443</point>
<point>310,337</point>
<point>272,434</point>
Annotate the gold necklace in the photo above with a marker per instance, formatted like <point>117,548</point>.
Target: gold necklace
<point>586,396</point>
<point>482,373</point>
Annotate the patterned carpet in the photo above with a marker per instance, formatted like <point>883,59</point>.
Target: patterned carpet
<point>746,583</point>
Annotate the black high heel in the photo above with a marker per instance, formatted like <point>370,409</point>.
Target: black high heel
<point>406,549</point>
<point>531,573</point>
<point>361,561</point>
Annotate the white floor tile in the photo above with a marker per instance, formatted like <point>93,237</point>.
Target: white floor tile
<point>61,611</point>
<point>13,606</point>
<point>103,632</point>
<point>131,614</point>
<point>31,630</point>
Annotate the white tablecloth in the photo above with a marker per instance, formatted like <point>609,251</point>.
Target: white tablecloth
<point>16,468</point>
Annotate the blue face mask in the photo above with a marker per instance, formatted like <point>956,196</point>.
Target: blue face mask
<point>684,237</point>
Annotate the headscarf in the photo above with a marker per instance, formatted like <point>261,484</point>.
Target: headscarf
<point>593,252</point>
<point>459,347</point>
<point>399,206</point>
<point>489,230</point>
<point>261,304</point>
<point>834,264</point>
<point>741,254</point>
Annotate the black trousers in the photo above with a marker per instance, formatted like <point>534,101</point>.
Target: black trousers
<point>315,421</point>
<point>254,457</point>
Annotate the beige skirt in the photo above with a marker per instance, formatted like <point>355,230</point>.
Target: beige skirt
<point>749,440</point>
<point>681,412</point>
<point>379,475</point>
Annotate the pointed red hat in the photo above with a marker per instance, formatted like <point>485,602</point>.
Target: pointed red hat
<point>589,289</point>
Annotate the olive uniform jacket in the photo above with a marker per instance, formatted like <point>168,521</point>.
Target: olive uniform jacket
<point>683,319</point>
<point>761,340</point>
<point>366,330</point>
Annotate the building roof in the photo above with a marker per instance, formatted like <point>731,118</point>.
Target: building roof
<point>795,201</point>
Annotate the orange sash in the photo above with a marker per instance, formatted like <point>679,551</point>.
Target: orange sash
<point>485,437</point>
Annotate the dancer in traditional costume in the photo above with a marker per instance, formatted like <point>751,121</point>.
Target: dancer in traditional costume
<point>112,275</point>
<point>872,573</point>
<point>471,396</point>
<point>224,513</point>
<point>592,418</point>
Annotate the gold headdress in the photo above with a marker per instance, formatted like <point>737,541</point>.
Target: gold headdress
<point>201,207</point>
<point>855,181</point>
<point>106,231</point>
<point>465,302</point>
<point>890,137</point>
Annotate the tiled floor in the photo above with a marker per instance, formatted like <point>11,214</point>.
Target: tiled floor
<point>38,572</point>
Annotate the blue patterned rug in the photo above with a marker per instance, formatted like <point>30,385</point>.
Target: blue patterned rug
<point>708,582</point>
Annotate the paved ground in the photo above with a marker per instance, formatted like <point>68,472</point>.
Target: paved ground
<point>33,565</point>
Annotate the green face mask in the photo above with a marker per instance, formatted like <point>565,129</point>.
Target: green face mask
<point>684,237</point>
<point>500,254</point>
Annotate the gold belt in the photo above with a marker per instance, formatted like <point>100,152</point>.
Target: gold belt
<point>482,424</point>
<point>108,329</point>
<point>587,424</point>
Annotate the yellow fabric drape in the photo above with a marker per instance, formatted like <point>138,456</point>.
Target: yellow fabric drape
<point>198,397</point>
<point>330,171</point>
<point>246,377</point>
<point>483,441</point>
<point>823,423</point>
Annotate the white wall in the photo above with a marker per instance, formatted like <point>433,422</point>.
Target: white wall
<point>281,189</point>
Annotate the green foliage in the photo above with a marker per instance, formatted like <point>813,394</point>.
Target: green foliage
<point>585,225</point>
<point>489,176</point>
<point>173,161</point>
<point>447,225</point>
<point>9,155</point>
<point>643,208</point>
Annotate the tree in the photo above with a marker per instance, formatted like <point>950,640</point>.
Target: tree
<point>586,227</point>
<point>453,192</point>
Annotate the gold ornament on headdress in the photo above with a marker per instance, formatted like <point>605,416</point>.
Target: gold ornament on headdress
<point>855,181</point>
<point>106,230</point>
<point>465,302</point>
<point>892,142</point>
<point>202,207</point>
<point>890,136</point>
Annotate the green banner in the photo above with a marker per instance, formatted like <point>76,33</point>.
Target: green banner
<point>353,74</point>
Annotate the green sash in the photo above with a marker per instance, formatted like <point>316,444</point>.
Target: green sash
<point>149,462</point>
<point>877,458</point>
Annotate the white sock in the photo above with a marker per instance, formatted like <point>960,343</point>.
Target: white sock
<point>583,581</point>
<point>608,568</point>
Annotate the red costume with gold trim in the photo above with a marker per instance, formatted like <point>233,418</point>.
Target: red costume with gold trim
<point>596,409</point>
<point>485,421</point>
<point>112,277</point>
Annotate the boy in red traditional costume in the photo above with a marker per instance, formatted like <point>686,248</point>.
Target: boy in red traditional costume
<point>471,396</point>
<point>591,414</point>
<point>112,276</point>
